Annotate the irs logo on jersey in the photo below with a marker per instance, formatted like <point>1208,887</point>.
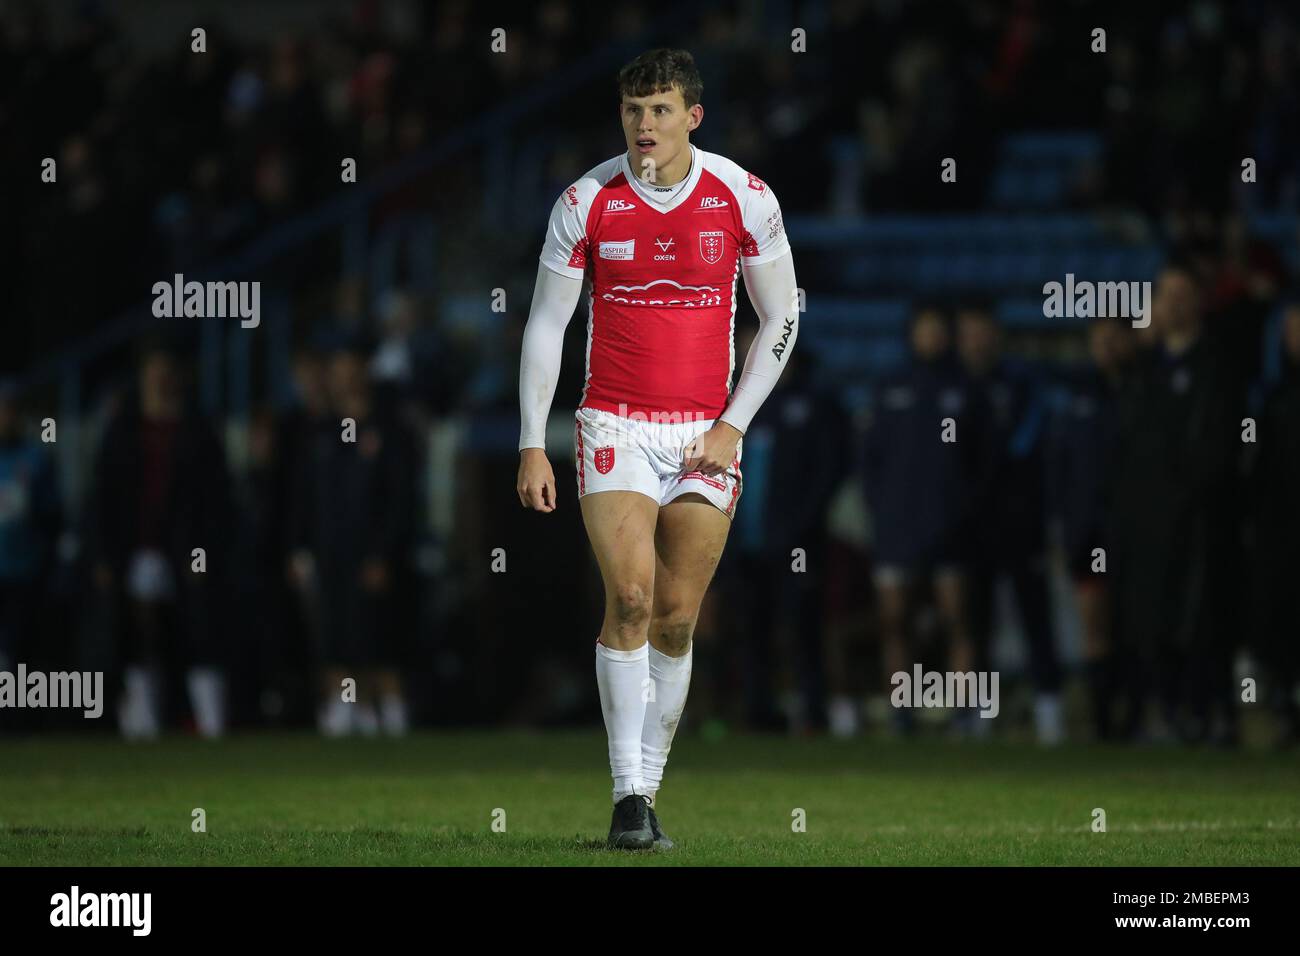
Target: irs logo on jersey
<point>711,245</point>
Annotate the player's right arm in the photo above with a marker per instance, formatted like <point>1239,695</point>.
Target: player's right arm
<point>559,286</point>
<point>554,299</point>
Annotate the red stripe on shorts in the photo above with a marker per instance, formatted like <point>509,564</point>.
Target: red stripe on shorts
<point>735,492</point>
<point>582,463</point>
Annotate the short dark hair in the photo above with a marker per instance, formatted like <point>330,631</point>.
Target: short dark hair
<point>657,71</point>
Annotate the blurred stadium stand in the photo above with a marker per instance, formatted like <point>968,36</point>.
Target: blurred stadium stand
<point>225,167</point>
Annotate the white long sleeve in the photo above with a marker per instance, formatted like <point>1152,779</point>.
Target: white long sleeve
<point>772,292</point>
<point>554,298</point>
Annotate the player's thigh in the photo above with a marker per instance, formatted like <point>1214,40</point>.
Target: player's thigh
<point>621,528</point>
<point>689,541</point>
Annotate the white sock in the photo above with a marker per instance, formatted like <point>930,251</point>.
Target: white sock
<point>392,715</point>
<point>208,699</point>
<point>621,677</point>
<point>334,719</point>
<point>365,719</point>
<point>672,679</point>
<point>842,714</point>
<point>139,710</point>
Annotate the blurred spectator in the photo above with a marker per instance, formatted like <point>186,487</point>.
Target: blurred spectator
<point>919,473</point>
<point>1276,498</point>
<point>795,456</point>
<point>352,535</point>
<point>159,492</point>
<point>1082,470</point>
<point>1010,512</point>
<point>1173,520</point>
<point>270,642</point>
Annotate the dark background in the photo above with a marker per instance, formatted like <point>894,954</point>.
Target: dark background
<point>225,165</point>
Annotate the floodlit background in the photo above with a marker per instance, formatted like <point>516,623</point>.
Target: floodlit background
<point>376,561</point>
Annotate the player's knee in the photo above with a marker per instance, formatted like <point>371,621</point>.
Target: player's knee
<point>631,603</point>
<point>674,632</point>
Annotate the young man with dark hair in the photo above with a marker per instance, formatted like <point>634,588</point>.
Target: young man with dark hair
<point>663,229</point>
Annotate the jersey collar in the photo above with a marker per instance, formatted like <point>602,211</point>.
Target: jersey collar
<point>692,179</point>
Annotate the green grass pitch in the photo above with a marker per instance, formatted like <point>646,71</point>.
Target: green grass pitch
<point>431,799</point>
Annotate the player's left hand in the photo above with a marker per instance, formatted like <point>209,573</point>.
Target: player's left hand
<point>713,451</point>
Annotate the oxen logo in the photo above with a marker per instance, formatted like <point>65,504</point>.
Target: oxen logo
<point>605,459</point>
<point>711,244</point>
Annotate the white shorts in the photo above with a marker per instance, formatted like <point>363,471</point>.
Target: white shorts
<point>614,453</point>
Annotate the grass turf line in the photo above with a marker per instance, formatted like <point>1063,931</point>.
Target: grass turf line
<point>429,800</point>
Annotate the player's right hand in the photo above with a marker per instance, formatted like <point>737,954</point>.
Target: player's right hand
<point>536,484</point>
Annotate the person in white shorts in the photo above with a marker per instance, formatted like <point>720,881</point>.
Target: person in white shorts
<point>663,231</point>
<point>613,453</point>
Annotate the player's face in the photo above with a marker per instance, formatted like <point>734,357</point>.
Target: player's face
<point>657,127</point>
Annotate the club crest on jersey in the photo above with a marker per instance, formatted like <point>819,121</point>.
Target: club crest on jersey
<point>605,459</point>
<point>711,245</point>
<point>756,183</point>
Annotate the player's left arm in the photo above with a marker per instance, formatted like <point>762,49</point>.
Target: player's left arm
<point>768,267</point>
<point>773,293</point>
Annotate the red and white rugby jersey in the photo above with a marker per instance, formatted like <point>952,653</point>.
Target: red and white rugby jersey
<point>662,305</point>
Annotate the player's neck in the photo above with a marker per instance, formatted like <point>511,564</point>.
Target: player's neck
<point>671,173</point>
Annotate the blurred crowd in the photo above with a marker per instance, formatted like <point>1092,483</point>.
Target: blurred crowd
<point>169,160</point>
<point>328,556</point>
<point>1154,477</point>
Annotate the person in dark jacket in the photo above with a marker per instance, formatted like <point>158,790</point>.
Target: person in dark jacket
<point>1174,526</point>
<point>158,521</point>
<point>796,454</point>
<point>920,462</point>
<point>1276,519</point>
<point>353,520</point>
<point>1081,455</point>
<point>1009,519</point>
